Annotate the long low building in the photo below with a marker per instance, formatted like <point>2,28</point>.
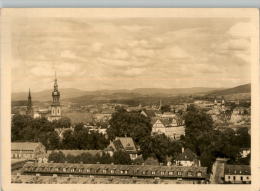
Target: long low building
<point>181,173</point>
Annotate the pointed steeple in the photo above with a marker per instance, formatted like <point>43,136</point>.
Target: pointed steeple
<point>29,110</point>
<point>29,96</point>
<point>55,83</point>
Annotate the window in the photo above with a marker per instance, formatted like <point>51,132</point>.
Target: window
<point>228,177</point>
<point>189,173</point>
<point>170,173</point>
<point>241,177</point>
<point>153,172</point>
<point>234,178</point>
<point>104,171</point>
<point>64,169</point>
<point>88,170</point>
<point>122,172</point>
<point>144,172</point>
<point>112,171</point>
<point>126,171</point>
<point>162,172</point>
<point>179,173</point>
<point>199,174</point>
<point>247,177</point>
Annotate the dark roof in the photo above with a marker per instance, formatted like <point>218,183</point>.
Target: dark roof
<point>124,143</point>
<point>149,113</point>
<point>187,155</point>
<point>237,170</point>
<point>25,145</point>
<point>186,172</point>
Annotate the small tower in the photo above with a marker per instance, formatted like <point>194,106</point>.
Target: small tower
<point>29,110</point>
<point>55,106</point>
<point>160,105</point>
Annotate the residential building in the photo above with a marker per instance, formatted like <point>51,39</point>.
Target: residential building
<point>27,150</point>
<point>125,144</point>
<point>181,174</point>
<point>171,127</point>
<point>223,173</point>
<point>187,158</point>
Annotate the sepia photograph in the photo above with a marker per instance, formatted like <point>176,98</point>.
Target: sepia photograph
<point>130,96</point>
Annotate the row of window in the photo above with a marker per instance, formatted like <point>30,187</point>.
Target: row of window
<point>16,155</point>
<point>113,171</point>
<point>242,178</point>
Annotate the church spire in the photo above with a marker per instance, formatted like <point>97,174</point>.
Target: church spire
<point>55,83</point>
<point>29,110</point>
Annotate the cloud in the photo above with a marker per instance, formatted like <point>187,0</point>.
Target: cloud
<point>134,71</point>
<point>97,46</point>
<point>241,29</point>
<point>143,52</point>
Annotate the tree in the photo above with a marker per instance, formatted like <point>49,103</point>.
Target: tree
<point>121,157</point>
<point>57,157</point>
<point>68,141</point>
<point>165,108</point>
<point>159,146</point>
<point>198,125</point>
<point>63,122</point>
<point>131,124</point>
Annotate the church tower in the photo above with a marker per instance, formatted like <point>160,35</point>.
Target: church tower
<point>55,106</point>
<point>29,110</point>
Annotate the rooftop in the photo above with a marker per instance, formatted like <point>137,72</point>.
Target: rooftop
<point>24,145</point>
<point>237,170</point>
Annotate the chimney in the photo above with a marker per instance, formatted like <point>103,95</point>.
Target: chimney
<point>182,149</point>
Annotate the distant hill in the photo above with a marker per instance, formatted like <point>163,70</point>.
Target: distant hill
<point>131,96</point>
<point>235,90</point>
<point>238,92</point>
<point>46,94</point>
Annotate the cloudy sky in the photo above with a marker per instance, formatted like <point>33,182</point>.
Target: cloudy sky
<point>127,53</point>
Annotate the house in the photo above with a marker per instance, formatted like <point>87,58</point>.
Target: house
<point>104,116</point>
<point>223,173</point>
<point>237,174</point>
<point>171,127</point>
<point>28,150</point>
<point>187,158</point>
<point>168,115</point>
<point>125,144</point>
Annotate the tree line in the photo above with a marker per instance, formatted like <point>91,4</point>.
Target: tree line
<point>119,157</point>
<point>26,128</point>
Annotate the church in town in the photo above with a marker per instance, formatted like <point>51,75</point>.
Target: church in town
<point>54,113</point>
